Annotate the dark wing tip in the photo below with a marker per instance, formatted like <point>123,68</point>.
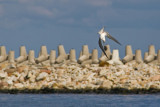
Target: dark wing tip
<point>120,44</point>
<point>110,37</point>
<point>100,45</point>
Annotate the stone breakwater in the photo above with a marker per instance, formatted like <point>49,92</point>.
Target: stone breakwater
<point>65,73</point>
<point>103,78</point>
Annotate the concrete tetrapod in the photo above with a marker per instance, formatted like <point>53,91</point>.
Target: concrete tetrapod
<point>145,55</point>
<point>3,55</point>
<point>62,56</point>
<point>11,57</point>
<point>93,60</point>
<point>152,50</point>
<point>23,55</point>
<point>31,57</point>
<point>86,62</point>
<point>80,54</point>
<point>157,59</point>
<point>72,55</point>
<point>158,56</point>
<point>95,56</point>
<point>43,55</point>
<point>138,56</point>
<point>85,54</point>
<point>52,57</point>
<point>129,54</point>
<point>151,55</point>
<point>115,58</point>
<point>103,58</point>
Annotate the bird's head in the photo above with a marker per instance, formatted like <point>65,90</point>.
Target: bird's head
<point>101,31</point>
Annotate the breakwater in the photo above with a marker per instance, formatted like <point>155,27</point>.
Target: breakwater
<point>64,73</point>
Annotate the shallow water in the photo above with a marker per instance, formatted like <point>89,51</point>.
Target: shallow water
<point>78,100</point>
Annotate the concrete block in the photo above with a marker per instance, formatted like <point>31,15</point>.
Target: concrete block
<point>86,62</point>
<point>151,56</point>
<point>115,58</point>
<point>52,57</point>
<point>41,59</point>
<point>80,54</point>
<point>129,54</point>
<point>85,50</point>
<point>20,59</point>
<point>151,50</point>
<point>129,50</point>
<point>95,56</point>
<point>43,55</point>
<point>3,55</point>
<point>62,56</point>
<point>145,55</point>
<point>23,55</point>
<point>3,51</point>
<point>72,56</point>
<point>31,57</point>
<point>11,57</point>
<point>138,56</point>
<point>61,50</point>
<point>23,51</point>
<point>83,58</point>
<point>44,51</point>
<point>85,54</point>
<point>158,56</point>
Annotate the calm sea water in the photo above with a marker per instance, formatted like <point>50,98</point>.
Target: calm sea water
<point>78,100</point>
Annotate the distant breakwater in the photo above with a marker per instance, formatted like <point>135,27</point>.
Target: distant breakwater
<point>87,74</point>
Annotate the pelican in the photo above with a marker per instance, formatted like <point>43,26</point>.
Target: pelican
<point>103,34</point>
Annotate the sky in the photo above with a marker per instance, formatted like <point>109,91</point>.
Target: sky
<point>74,23</point>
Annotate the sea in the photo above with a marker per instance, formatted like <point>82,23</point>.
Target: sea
<point>79,100</point>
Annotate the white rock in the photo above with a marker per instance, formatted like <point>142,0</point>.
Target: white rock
<point>19,85</point>
<point>29,75</point>
<point>21,79</point>
<point>16,74</point>
<point>3,75</point>
<point>120,73</point>
<point>10,81</point>
<point>107,84</point>
<point>90,77</point>
<point>103,72</point>
<point>41,76</point>
<point>32,78</point>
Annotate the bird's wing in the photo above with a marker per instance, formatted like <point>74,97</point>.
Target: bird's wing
<point>100,45</point>
<point>110,37</point>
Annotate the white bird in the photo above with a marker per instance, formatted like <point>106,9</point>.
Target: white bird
<point>103,34</point>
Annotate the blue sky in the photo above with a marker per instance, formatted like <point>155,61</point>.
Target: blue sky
<point>73,23</point>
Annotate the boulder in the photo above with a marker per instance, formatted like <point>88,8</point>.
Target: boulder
<point>107,84</point>
<point>155,78</point>
<point>3,75</point>
<point>41,76</point>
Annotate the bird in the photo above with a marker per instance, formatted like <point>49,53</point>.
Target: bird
<point>103,34</point>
